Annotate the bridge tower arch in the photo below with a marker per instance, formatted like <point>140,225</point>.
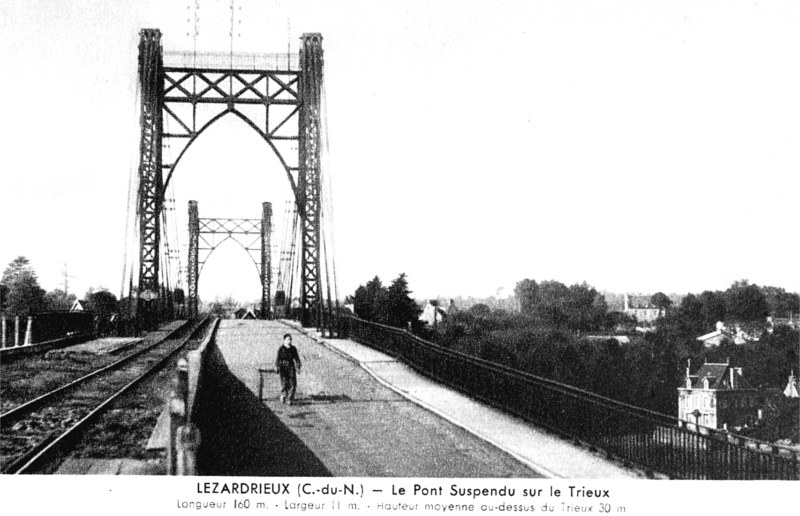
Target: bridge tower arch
<point>278,96</point>
<point>252,235</point>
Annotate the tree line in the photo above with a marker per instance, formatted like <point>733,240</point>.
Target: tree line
<point>22,296</point>
<point>553,336</point>
<point>392,305</point>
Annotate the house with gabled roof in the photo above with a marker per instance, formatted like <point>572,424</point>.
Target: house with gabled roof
<point>792,389</point>
<point>739,335</point>
<point>432,313</point>
<point>641,309</point>
<point>718,396</point>
<point>244,313</point>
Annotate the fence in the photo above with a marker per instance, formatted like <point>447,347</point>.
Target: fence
<point>657,442</point>
<point>45,327</point>
<point>58,325</point>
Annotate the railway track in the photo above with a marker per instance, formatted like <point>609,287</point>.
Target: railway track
<point>36,434</point>
<point>28,377</point>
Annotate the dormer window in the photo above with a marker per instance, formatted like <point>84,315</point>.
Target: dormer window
<point>705,383</point>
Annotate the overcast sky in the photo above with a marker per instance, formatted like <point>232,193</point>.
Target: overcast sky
<point>636,146</point>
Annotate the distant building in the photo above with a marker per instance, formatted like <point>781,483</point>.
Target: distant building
<point>739,335</point>
<point>432,313</point>
<point>451,308</point>
<point>77,306</point>
<point>243,313</point>
<point>792,387</point>
<point>622,339</point>
<point>791,321</point>
<point>642,311</point>
<point>718,396</point>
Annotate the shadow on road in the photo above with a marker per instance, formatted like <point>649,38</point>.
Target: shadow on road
<point>240,436</point>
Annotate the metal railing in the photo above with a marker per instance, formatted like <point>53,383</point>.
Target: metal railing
<point>654,441</point>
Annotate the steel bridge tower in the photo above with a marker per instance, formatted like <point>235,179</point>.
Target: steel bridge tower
<point>253,235</point>
<point>282,104</point>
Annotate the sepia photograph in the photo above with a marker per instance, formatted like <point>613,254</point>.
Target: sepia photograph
<point>406,256</point>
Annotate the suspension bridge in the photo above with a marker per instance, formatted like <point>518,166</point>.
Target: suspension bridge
<point>374,400</point>
<point>280,97</point>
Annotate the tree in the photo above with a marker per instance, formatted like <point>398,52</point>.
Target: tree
<point>58,300</point>
<point>690,312</point>
<point>714,308</point>
<point>104,305</point>
<point>401,310</point>
<point>620,321</point>
<point>579,307</point>
<point>745,302</point>
<point>23,296</point>
<point>480,310</point>
<point>585,308</point>
<point>369,301</point>
<point>780,302</point>
<point>661,301</point>
<point>527,293</point>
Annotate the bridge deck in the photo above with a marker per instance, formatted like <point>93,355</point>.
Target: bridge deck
<point>360,413</point>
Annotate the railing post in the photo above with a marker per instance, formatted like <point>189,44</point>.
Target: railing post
<point>187,445</point>
<point>177,414</point>
<point>16,331</point>
<point>28,336</point>
<point>3,331</point>
<point>182,387</point>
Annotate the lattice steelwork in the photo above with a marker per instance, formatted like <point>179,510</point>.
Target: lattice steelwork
<point>183,95</point>
<point>150,191</point>
<point>253,235</point>
<point>310,180</point>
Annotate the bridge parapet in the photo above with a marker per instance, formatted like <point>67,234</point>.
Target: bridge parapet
<point>184,437</point>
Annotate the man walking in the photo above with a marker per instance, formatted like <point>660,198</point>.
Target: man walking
<point>288,364</point>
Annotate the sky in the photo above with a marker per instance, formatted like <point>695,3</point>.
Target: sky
<point>640,147</point>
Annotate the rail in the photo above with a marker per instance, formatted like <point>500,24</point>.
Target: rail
<point>44,455</point>
<point>654,441</point>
